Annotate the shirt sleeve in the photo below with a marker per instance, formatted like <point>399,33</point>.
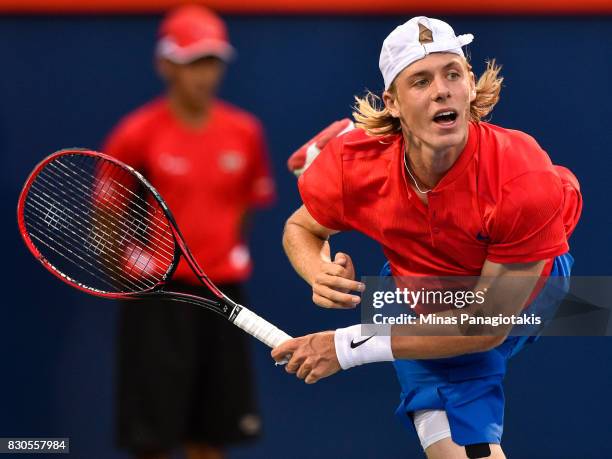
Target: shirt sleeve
<point>262,190</point>
<point>126,143</point>
<point>321,187</point>
<point>527,225</point>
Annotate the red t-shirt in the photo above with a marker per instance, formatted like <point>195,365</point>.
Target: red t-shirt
<point>502,201</point>
<point>208,177</point>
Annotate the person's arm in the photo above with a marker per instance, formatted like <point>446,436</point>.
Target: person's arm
<point>306,244</point>
<point>320,355</point>
<point>513,284</point>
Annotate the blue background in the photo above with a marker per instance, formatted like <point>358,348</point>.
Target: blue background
<point>66,80</point>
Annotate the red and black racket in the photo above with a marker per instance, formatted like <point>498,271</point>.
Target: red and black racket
<point>99,226</point>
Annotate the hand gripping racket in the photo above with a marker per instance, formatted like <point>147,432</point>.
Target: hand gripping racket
<point>99,226</point>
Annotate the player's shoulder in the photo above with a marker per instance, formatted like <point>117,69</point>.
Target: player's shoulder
<point>144,118</point>
<point>508,139</point>
<point>237,118</point>
<point>358,146</point>
<point>360,161</point>
<point>510,151</point>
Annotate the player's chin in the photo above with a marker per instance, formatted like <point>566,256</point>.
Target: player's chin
<point>200,96</point>
<point>446,137</point>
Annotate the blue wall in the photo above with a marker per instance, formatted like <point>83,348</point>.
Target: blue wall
<point>66,80</point>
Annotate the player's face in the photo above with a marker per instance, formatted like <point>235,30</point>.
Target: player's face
<point>432,99</point>
<point>195,83</point>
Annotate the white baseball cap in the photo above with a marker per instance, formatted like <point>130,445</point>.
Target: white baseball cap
<point>414,40</point>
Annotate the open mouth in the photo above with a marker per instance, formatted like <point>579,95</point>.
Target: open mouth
<point>446,117</point>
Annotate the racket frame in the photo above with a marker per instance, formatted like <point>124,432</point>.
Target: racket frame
<point>237,314</point>
<point>225,306</point>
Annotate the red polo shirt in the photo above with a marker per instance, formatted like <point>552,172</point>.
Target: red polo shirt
<point>502,201</point>
<point>208,177</point>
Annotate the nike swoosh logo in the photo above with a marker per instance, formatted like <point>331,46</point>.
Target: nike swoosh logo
<point>359,343</point>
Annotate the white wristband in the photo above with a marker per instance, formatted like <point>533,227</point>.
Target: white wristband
<point>353,349</point>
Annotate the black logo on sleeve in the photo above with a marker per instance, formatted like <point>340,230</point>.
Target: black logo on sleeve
<point>359,343</point>
<point>482,237</point>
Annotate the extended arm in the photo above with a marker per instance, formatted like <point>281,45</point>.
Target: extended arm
<point>513,284</point>
<point>319,355</point>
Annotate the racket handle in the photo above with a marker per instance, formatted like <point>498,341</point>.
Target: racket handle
<point>260,328</point>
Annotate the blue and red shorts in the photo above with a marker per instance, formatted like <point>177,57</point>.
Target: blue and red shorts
<point>469,387</point>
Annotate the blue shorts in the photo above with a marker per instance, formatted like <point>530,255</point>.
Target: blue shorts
<point>469,387</point>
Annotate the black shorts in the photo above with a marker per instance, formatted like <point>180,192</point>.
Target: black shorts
<point>184,375</point>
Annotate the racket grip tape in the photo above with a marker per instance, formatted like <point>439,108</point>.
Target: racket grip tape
<point>260,328</point>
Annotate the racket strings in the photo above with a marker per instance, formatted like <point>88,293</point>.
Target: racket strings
<point>98,242</point>
<point>120,228</point>
<point>164,237</point>
<point>99,218</point>
<point>70,255</point>
<point>137,220</point>
<point>156,216</point>
<point>122,242</point>
<point>82,236</point>
<point>81,241</point>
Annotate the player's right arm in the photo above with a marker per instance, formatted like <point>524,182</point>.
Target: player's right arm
<point>306,243</point>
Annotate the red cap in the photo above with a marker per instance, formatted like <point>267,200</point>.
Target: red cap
<point>190,32</point>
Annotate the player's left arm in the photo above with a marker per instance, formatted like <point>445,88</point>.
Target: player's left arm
<point>513,284</point>
<point>322,354</point>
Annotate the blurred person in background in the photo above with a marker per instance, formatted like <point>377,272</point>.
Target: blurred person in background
<point>209,161</point>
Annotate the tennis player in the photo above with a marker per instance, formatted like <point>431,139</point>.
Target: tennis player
<point>445,194</point>
<point>209,161</point>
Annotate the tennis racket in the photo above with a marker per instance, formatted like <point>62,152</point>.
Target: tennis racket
<point>99,226</point>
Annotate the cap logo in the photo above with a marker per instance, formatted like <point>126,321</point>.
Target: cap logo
<point>425,35</point>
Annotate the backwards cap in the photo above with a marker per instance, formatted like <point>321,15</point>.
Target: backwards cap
<point>416,39</point>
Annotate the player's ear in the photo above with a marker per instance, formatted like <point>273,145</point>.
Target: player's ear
<point>391,103</point>
<point>472,86</point>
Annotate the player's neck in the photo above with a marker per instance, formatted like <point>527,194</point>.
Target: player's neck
<point>429,164</point>
<point>191,115</point>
